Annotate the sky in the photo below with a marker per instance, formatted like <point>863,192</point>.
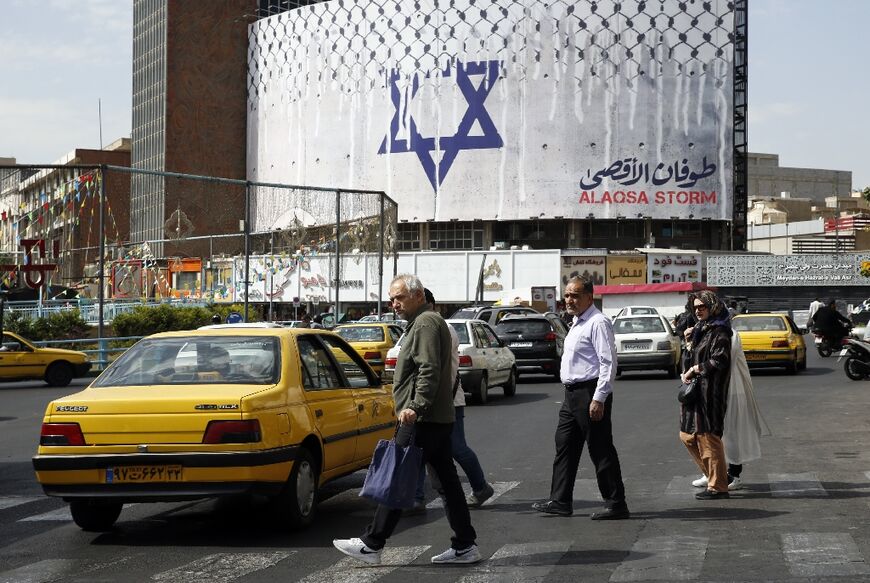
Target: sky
<point>808,80</point>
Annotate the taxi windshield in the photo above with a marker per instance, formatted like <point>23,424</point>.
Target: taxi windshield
<point>196,360</point>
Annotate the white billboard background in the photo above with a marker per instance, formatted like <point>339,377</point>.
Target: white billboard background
<point>530,109</point>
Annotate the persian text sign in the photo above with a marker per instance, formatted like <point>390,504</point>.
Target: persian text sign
<point>789,270</point>
<point>674,267</point>
<point>626,269</point>
<point>592,268</point>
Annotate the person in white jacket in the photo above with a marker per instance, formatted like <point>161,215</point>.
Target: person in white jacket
<point>744,424</point>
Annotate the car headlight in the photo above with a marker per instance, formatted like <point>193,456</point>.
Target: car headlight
<point>663,345</point>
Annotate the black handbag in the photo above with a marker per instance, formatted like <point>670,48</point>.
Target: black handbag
<point>688,392</point>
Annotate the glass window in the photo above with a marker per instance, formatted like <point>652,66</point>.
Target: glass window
<point>408,237</point>
<point>480,339</point>
<point>318,372</point>
<point>196,360</point>
<point>520,326</point>
<point>361,333</point>
<point>456,235</point>
<point>490,335</point>
<point>461,331</point>
<point>354,369</point>
<point>638,326</point>
<point>758,324</point>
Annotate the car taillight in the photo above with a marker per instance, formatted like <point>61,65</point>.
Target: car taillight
<point>61,434</point>
<point>232,432</point>
<point>663,345</point>
<point>550,337</point>
<point>464,360</point>
<point>780,344</point>
<point>372,356</point>
<point>390,362</point>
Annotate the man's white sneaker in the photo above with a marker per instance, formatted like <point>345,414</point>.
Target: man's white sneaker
<point>700,482</point>
<point>736,484</point>
<point>356,548</point>
<point>464,556</point>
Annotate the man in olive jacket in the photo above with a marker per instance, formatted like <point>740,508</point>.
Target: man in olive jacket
<point>423,391</point>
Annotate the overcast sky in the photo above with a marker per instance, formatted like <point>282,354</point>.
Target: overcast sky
<point>808,81</point>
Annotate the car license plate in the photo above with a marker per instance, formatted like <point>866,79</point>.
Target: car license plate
<point>520,345</point>
<point>636,345</point>
<point>843,353</point>
<point>755,356</point>
<point>142,474</point>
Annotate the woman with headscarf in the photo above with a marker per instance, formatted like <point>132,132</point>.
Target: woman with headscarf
<point>702,421</point>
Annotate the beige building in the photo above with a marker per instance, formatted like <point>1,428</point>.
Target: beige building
<point>767,179</point>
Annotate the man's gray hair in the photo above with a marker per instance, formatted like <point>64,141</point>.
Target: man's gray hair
<point>411,281</point>
<point>584,283</point>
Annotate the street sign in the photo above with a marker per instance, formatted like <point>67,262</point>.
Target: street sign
<point>296,302</point>
<point>234,318</point>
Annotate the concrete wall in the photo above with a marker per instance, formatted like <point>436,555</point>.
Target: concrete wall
<point>768,179</point>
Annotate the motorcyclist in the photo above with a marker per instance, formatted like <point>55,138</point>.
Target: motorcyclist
<point>830,323</point>
<point>216,319</point>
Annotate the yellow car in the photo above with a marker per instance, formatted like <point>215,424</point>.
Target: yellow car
<point>371,340</point>
<point>771,340</point>
<point>215,412</point>
<point>21,360</point>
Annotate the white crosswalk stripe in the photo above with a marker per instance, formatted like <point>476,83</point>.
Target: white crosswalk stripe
<point>790,485</point>
<point>499,488</point>
<point>663,558</point>
<point>222,567</point>
<point>39,572</point>
<point>58,515</point>
<point>519,563</point>
<point>350,570</point>
<point>13,501</point>
<point>812,554</point>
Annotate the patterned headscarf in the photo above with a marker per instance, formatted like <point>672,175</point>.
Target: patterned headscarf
<point>718,312</point>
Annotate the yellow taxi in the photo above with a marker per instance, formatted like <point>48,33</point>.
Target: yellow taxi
<point>215,412</point>
<point>771,340</point>
<point>22,360</point>
<point>371,340</point>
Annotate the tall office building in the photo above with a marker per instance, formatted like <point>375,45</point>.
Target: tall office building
<point>189,91</point>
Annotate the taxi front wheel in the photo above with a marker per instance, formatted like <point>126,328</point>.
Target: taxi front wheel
<point>297,503</point>
<point>95,516</point>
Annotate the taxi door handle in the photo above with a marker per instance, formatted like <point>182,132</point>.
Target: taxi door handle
<point>318,413</point>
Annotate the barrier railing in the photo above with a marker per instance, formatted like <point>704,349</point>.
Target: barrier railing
<point>103,347</point>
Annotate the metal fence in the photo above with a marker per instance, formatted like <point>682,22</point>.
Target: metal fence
<point>121,237</point>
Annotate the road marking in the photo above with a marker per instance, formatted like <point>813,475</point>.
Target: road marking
<point>804,485</point>
<point>682,486</point>
<point>519,563</point>
<point>823,554</point>
<point>663,558</point>
<point>498,489</point>
<point>39,572</point>
<point>222,567</point>
<point>61,514</point>
<point>13,501</point>
<point>349,570</point>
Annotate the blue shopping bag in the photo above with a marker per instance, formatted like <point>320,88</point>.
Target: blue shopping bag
<point>392,476</point>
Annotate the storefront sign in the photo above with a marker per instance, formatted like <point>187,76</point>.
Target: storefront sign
<point>673,267</point>
<point>625,269</point>
<point>591,268</point>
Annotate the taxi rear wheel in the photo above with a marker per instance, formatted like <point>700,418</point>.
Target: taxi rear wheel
<point>297,504</point>
<point>510,387</point>
<point>59,374</point>
<point>95,516</point>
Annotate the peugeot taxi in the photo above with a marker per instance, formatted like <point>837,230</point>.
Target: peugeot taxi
<point>21,360</point>
<point>215,412</point>
<point>371,340</point>
<point>771,340</point>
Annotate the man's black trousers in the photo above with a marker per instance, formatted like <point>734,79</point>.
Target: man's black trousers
<point>576,428</point>
<point>434,440</point>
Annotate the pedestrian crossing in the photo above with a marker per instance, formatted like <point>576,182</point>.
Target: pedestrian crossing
<point>647,553</point>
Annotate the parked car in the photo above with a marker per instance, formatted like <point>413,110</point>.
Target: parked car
<point>212,413</point>
<point>484,361</point>
<point>646,342</point>
<point>492,315</point>
<point>21,360</point>
<point>536,340</point>
<point>636,311</point>
<point>371,340</point>
<point>770,340</point>
<point>385,317</point>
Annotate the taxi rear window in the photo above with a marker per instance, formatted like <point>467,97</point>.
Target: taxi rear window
<point>196,360</point>
<point>361,333</point>
<point>758,324</point>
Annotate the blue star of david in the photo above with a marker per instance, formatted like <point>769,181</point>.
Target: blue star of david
<point>450,146</point>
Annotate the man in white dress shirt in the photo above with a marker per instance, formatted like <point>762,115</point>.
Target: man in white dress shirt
<point>588,369</point>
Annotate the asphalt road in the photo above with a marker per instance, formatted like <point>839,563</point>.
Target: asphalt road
<point>802,516</point>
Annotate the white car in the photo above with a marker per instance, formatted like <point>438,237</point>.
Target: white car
<point>484,361</point>
<point>646,342</point>
<point>636,311</point>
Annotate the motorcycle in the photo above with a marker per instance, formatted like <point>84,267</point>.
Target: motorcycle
<point>857,355</point>
<point>826,345</point>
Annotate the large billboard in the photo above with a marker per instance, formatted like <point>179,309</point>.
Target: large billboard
<point>614,108</point>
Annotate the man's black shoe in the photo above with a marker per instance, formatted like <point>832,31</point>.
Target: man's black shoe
<point>553,507</point>
<point>711,495</point>
<point>611,514</point>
